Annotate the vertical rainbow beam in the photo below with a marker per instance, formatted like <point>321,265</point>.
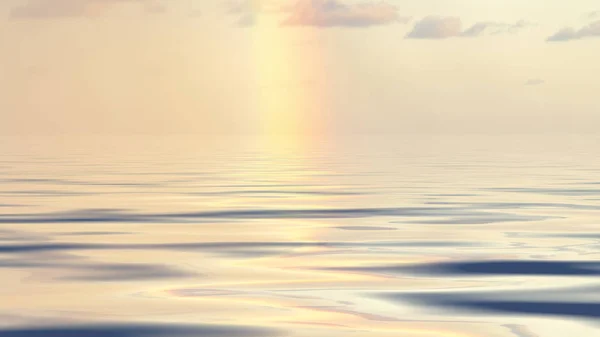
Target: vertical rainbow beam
<point>289,81</point>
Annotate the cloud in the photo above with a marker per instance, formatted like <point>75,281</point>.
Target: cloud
<point>443,27</point>
<point>569,33</point>
<point>245,7</point>
<point>592,15</point>
<point>38,9</point>
<point>496,28</point>
<point>564,34</point>
<point>333,13</point>
<point>48,9</point>
<point>535,81</point>
<point>316,13</point>
<point>436,27</point>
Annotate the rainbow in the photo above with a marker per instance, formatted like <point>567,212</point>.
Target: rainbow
<point>290,79</point>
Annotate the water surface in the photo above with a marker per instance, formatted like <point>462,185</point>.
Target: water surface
<point>370,236</point>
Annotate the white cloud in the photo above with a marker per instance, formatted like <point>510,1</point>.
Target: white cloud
<point>436,27</point>
<point>317,13</point>
<point>443,27</point>
<point>569,33</point>
<point>41,9</point>
<point>480,28</point>
<point>331,13</point>
<point>257,6</point>
<point>592,15</point>
<point>48,9</point>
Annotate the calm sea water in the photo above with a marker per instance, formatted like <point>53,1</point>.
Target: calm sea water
<point>373,236</point>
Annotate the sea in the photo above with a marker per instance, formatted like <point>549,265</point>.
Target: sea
<point>304,236</point>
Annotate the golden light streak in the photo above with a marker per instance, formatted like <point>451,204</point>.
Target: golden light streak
<point>290,82</point>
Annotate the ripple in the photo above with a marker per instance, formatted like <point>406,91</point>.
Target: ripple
<point>477,304</point>
<point>216,246</point>
<point>451,215</point>
<point>140,330</point>
<point>366,228</point>
<point>555,268</point>
<point>551,191</point>
<point>104,272</point>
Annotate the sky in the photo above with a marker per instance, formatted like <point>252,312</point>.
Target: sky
<point>299,66</point>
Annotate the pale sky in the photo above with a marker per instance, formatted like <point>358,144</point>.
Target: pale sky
<point>332,66</point>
